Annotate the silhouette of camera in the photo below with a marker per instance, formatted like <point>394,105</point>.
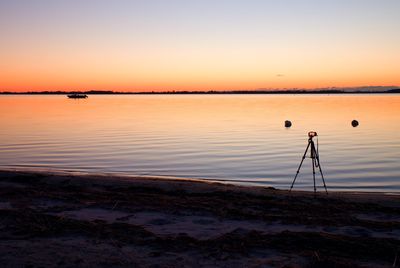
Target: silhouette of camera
<point>312,134</point>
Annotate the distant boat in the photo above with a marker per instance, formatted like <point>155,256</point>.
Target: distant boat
<point>77,96</point>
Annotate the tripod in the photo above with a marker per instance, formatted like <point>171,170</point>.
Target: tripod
<point>314,155</point>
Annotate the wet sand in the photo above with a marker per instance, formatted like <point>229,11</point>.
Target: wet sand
<point>76,220</point>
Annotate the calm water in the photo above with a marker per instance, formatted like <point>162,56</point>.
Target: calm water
<point>238,138</point>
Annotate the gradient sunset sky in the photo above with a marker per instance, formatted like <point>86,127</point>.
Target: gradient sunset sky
<point>147,45</point>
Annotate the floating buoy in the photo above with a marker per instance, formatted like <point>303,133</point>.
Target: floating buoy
<point>354,123</point>
<point>288,123</point>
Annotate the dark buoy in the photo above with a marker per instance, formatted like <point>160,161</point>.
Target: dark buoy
<point>288,123</point>
<point>354,123</point>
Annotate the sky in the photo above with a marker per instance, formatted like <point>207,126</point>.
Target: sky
<point>158,45</point>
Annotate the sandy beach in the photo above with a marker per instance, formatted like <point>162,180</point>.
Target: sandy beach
<point>59,219</point>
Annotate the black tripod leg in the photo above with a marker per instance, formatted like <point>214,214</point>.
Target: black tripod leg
<point>322,175</point>
<point>313,173</point>
<point>298,170</point>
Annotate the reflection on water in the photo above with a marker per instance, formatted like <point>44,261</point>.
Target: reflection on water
<point>224,137</point>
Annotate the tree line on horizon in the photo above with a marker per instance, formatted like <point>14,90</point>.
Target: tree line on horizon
<point>285,91</point>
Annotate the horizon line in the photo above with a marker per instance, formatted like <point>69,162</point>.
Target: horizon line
<point>362,89</point>
<point>143,90</point>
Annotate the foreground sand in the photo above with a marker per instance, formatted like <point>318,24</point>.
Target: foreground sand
<point>64,220</point>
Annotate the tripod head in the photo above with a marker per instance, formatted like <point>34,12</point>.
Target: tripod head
<point>312,134</point>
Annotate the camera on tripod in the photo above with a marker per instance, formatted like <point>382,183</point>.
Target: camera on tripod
<point>314,155</point>
<point>312,134</point>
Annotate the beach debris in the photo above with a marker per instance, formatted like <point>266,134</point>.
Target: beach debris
<point>288,123</point>
<point>115,205</point>
<point>317,255</point>
<point>354,123</point>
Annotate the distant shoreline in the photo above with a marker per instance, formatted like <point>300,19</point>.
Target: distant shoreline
<point>211,92</point>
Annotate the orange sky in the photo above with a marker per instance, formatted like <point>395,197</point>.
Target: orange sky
<point>229,46</point>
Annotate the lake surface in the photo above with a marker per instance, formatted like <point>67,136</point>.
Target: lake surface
<point>234,138</point>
